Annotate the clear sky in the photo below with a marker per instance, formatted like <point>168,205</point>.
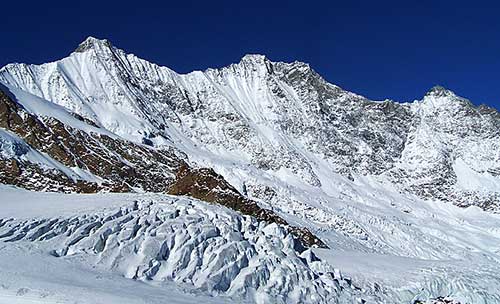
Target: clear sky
<point>380,49</point>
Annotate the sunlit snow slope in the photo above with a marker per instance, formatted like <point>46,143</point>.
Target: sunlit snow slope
<point>281,118</point>
<point>406,195</point>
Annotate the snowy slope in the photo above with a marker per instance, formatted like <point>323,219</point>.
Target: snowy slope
<point>378,182</point>
<point>282,118</point>
<point>191,250</point>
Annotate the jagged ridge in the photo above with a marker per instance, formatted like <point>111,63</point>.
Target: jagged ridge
<point>278,116</point>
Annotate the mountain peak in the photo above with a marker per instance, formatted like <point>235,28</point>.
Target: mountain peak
<point>91,43</point>
<point>255,62</point>
<point>440,97</point>
<point>256,58</point>
<point>439,91</point>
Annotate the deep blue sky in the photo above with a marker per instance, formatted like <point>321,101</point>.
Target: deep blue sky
<point>380,49</point>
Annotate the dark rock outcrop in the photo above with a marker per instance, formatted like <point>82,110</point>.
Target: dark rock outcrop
<point>205,184</point>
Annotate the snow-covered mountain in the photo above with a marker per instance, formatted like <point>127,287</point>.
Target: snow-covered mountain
<point>376,180</point>
<point>280,118</point>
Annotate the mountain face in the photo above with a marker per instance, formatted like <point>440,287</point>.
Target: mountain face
<point>274,141</point>
<point>64,152</point>
<point>279,117</point>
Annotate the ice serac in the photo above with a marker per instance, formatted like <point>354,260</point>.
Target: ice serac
<point>206,248</point>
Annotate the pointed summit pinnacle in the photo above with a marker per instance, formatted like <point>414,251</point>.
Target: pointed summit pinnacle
<point>91,43</point>
<point>257,58</point>
<point>256,62</point>
<point>439,91</point>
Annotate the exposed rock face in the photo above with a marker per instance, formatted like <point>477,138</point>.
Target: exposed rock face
<point>33,177</point>
<point>121,165</point>
<point>440,300</point>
